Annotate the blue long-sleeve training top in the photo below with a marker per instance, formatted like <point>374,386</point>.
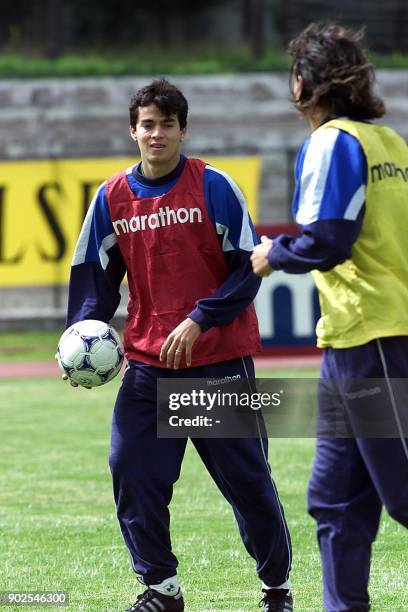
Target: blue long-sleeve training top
<point>328,204</point>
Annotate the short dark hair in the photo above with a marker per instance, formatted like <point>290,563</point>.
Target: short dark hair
<point>336,72</point>
<point>168,99</point>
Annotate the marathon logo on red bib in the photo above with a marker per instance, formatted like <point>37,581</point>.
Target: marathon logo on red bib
<point>161,218</point>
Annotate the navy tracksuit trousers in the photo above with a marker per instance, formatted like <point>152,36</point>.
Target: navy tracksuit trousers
<point>144,469</point>
<point>353,478</point>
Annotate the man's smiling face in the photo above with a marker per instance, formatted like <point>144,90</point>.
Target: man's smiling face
<point>158,137</point>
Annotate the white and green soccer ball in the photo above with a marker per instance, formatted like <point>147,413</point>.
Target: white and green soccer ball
<point>90,352</point>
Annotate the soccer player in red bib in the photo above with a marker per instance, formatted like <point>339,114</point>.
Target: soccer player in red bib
<point>181,231</point>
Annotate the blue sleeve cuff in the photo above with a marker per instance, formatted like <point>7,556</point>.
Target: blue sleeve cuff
<point>201,319</point>
<point>273,258</point>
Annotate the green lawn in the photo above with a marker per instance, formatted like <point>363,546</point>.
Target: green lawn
<point>151,60</point>
<point>59,531</point>
<point>28,345</point>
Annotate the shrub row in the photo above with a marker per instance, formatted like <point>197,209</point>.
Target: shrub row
<point>153,63</point>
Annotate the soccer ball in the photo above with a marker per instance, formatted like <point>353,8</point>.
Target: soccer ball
<point>90,353</point>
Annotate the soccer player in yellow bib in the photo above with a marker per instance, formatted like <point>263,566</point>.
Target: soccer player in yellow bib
<point>351,203</point>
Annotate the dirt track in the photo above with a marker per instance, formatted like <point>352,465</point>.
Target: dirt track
<point>50,368</point>
<point>28,369</point>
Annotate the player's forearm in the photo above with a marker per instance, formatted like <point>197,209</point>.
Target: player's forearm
<point>232,297</point>
<point>93,293</point>
<point>321,246</point>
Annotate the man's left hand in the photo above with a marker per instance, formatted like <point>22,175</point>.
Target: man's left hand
<point>259,257</point>
<point>180,341</point>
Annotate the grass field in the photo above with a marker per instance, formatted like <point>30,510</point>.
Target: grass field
<point>28,345</point>
<point>59,531</point>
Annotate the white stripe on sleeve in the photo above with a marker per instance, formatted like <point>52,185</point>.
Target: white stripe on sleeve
<point>356,204</point>
<point>107,243</point>
<point>246,240</point>
<point>223,230</point>
<point>315,169</point>
<point>83,240</point>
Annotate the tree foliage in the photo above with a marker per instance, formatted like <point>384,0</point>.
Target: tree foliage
<point>51,26</point>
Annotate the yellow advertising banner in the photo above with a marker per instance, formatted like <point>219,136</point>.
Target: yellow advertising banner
<point>43,204</point>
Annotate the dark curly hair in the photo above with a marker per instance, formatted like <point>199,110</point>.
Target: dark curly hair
<point>168,99</point>
<point>336,73</point>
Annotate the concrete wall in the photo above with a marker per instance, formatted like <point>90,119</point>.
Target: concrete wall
<point>242,114</point>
